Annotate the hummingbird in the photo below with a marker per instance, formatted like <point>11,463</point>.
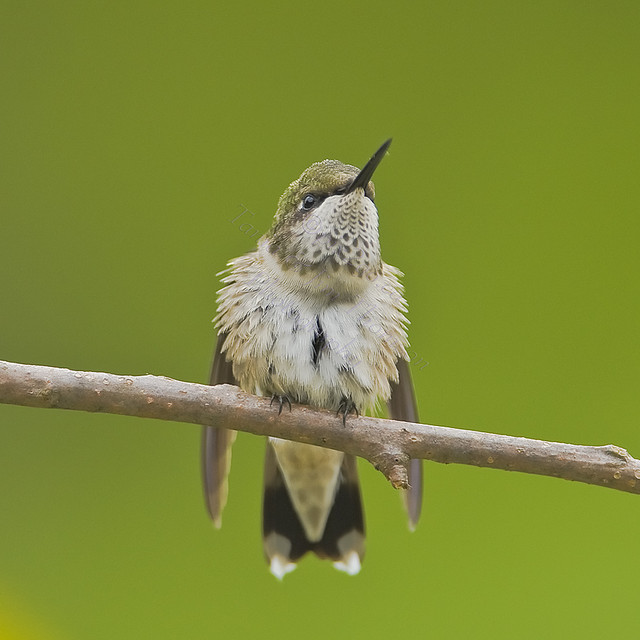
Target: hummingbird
<point>314,316</point>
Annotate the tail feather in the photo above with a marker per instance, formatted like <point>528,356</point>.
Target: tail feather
<point>343,538</point>
<point>284,538</point>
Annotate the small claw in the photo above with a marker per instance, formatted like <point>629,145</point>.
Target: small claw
<point>281,402</point>
<point>345,408</point>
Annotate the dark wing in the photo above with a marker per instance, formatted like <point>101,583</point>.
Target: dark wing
<point>216,444</point>
<point>402,406</point>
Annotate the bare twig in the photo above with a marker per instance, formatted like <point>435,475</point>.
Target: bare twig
<point>387,444</point>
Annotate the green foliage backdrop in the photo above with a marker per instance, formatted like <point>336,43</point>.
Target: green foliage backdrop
<point>133,133</point>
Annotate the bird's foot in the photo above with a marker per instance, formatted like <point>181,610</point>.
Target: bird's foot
<point>346,407</point>
<point>282,400</point>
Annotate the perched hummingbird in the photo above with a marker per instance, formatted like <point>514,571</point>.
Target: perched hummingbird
<point>314,316</point>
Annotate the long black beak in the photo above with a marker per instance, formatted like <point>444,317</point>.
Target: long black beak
<point>362,179</point>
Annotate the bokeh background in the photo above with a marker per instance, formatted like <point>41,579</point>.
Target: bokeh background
<point>132,134</point>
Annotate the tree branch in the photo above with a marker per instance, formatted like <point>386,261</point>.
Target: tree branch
<point>387,444</point>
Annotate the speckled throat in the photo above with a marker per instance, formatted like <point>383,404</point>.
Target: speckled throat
<point>341,233</point>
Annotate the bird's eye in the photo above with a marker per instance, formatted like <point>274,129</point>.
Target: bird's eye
<point>308,202</point>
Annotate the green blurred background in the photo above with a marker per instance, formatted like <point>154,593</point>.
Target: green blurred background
<point>132,134</point>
